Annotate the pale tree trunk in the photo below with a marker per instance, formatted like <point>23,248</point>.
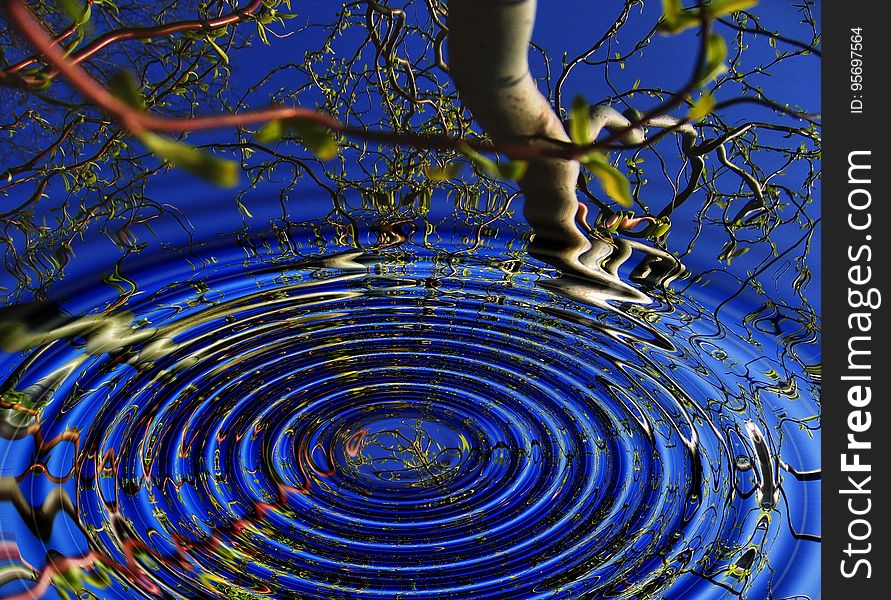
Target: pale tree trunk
<point>488,60</point>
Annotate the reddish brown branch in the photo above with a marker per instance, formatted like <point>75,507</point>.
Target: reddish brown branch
<point>138,121</point>
<point>145,33</point>
<point>136,33</point>
<point>71,30</point>
<point>8,173</point>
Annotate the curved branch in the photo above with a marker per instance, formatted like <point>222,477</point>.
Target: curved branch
<point>759,30</point>
<point>138,33</point>
<point>584,56</point>
<point>67,33</point>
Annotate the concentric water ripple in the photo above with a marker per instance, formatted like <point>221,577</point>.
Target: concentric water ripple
<point>400,424</point>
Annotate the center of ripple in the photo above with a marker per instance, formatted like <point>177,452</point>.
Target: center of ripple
<point>400,450</point>
<point>368,437</point>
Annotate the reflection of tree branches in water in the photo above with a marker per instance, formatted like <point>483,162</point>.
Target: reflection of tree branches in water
<point>415,456</point>
<point>71,574</point>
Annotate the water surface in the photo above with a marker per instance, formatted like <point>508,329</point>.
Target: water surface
<point>366,407</point>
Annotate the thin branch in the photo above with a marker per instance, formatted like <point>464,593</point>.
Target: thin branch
<point>138,121</point>
<point>759,30</point>
<point>67,33</point>
<point>134,33</point>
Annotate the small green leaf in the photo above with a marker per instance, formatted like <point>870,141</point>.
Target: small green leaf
<point>720,8</point>
<point>271,132</point>
<point>675,19</point>
<point>316,138</point>
<point>702,107</point>
<point>513,170</point>
<point>450,171</point>
<point>580,122</point>
<point>613,182</point>
<point>485,164</point>
<point>218,50</point>
<point>45,82</point>
<point>244,210</point>
<point>672,9</point>
<point>262,32</point>
<point>219,171</point>
<point>510,171</point>
<point>78,13</point>
<point>715,55</point>
<point>69,579</point>
<point>662,226</point>
<point>736,252</point>
<point>124,87</point>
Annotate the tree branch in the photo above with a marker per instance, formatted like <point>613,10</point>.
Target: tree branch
<point>133,33</point>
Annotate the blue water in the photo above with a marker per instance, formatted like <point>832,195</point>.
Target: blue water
<point>337,409</point>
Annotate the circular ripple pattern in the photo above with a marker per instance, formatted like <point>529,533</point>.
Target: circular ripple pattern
<point>406,431</point>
